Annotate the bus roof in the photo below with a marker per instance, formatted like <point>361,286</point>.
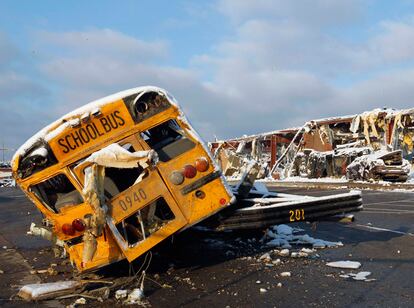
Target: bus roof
<point>59,125</point>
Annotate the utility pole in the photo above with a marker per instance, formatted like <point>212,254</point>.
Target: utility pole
<point>3,149</point>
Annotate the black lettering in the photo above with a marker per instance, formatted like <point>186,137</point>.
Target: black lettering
<point>105,124</point>
<point>91,131</point>
<point>68,143</point>
<point>121,121</point>
<point>76,139</point>
<point>62,143</point>
<point>112,122</point>
<point>97,130</point>
<point>84,135</point>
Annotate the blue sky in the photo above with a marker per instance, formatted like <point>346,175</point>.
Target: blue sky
<point>237,67</point>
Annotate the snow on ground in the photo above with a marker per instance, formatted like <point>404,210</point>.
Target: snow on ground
<point>284,236</point>
<point>304,179</point>
<point>5,174</point>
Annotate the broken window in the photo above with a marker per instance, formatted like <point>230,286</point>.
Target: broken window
<point>37,158</point>
<point>145,222</point>
<point>119,179</point>
<point>57,193</point>
<point>168,140</point>
<point>116,179</point>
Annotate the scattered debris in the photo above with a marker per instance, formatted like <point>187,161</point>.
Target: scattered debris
<point>136,296</point>
<point>344,264</point>
<point>35,292</point>
<point>361,275</point>
<point>46,234</point>
<point>265,257</point>
<point>385,166</point>
<point>80,301</point>
<point>276,262</point>
<point>121,294</point>
<point>283,252</point>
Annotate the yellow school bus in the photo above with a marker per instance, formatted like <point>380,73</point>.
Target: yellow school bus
<point>118,175</point>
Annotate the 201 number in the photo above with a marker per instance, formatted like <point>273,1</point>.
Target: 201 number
<point>296,215</point>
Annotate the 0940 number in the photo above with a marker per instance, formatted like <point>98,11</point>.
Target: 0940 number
<point>137,196</point>
<point>297,215</point>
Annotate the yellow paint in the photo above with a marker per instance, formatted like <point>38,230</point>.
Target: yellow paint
<point>71,141</point>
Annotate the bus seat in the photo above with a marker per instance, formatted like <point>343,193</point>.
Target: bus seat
<point>70,198</point>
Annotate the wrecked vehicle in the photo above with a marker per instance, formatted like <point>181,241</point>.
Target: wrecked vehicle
<point>386,166</point>
<point>119,175</point>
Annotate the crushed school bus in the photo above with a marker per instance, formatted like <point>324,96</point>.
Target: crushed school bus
<point>117,176</point>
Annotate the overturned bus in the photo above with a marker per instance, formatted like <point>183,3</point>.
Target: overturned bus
<point>119,175</point>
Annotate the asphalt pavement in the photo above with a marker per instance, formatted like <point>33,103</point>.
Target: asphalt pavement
<point>202,268</point>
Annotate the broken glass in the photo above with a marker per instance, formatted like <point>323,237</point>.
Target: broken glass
<point>57,193</point>
<point>145,221</point>
<point>168,140</point>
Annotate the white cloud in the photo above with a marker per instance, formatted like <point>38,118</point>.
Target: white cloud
<point>94,42</point>
<point>396,41</point>
<point>315,13</point>
<point>272,74</point>
<point>280,67</point>
<point>23,101</point>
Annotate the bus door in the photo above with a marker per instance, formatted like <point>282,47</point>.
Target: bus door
<point>143,215</point>
<point>141,210</point>
<point>187,170</point>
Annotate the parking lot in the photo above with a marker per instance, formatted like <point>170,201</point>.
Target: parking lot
<point>202,268</point>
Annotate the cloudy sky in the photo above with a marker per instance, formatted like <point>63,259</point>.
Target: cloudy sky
<point>237,67</point>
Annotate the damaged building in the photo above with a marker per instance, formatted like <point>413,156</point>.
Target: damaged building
<point>372,146</point>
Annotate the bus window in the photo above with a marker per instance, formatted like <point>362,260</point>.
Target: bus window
<point>57,192</point>
<point>145,222</point>
<point>36,159</point>
<point>118,179</point>
<point>168,140</point>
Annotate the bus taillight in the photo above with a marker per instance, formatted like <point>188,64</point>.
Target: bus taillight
<point>68,229</point>
<point>189,171</point>
<point>202,164</point>
<point>78,225</point>
<point>177,177</point>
